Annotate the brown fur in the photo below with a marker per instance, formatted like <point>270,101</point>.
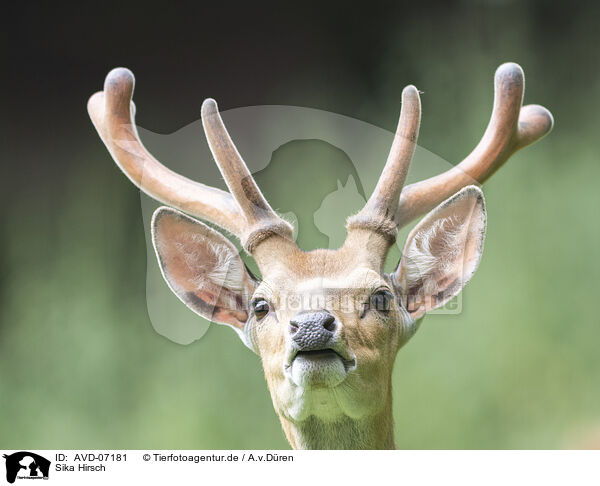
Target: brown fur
<point>205,272</point>
<point>356,412</point>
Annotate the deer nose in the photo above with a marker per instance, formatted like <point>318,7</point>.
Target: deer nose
<point>312,330</point>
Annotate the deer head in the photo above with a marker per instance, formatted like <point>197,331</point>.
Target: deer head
<point>327,324</point>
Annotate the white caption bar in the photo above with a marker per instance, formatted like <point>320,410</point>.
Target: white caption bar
<point>301,467</point>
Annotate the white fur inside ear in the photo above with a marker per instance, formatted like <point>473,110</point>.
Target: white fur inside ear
<point>443,251</point>
<point>202,267</point>
<point>435,249</point>
<point>215,263</point>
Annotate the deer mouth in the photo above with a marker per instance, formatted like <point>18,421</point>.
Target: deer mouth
<point>317,368</point>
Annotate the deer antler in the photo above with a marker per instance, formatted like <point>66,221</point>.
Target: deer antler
<point>379,211</point>
<point>247,214</point>
<point>511,128</point>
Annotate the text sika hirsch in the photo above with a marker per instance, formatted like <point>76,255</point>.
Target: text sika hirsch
<point>327,324</point>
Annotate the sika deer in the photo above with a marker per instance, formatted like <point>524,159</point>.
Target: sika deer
<point>327,324</point>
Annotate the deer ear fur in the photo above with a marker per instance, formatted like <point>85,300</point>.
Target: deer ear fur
<point>202,268</point>
<point>442,252</point>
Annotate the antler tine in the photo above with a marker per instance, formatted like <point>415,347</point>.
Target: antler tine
<point>112,113</point>
<point>511,128</point>
<point>248,216</point>
<point>260,217</point>
<point>379,212</point>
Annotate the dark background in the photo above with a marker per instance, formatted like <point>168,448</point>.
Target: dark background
<point>81,367</point>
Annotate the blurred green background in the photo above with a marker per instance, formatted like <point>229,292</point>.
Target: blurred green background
<point>82,367</point>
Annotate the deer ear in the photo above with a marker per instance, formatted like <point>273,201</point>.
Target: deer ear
<point>202,268</point>
<point>442,252</point>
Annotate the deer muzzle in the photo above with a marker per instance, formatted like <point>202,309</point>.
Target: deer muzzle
<point>318,357</point>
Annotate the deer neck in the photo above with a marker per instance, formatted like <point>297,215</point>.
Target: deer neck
<point>372,432</point>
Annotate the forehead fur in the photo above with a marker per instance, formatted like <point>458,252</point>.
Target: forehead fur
<point>327,268</point>
<point>320,278</point>
<point>354,278</point>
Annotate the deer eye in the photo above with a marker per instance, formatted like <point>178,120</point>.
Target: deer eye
<point>260,307</point>
<point>381,301</point>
